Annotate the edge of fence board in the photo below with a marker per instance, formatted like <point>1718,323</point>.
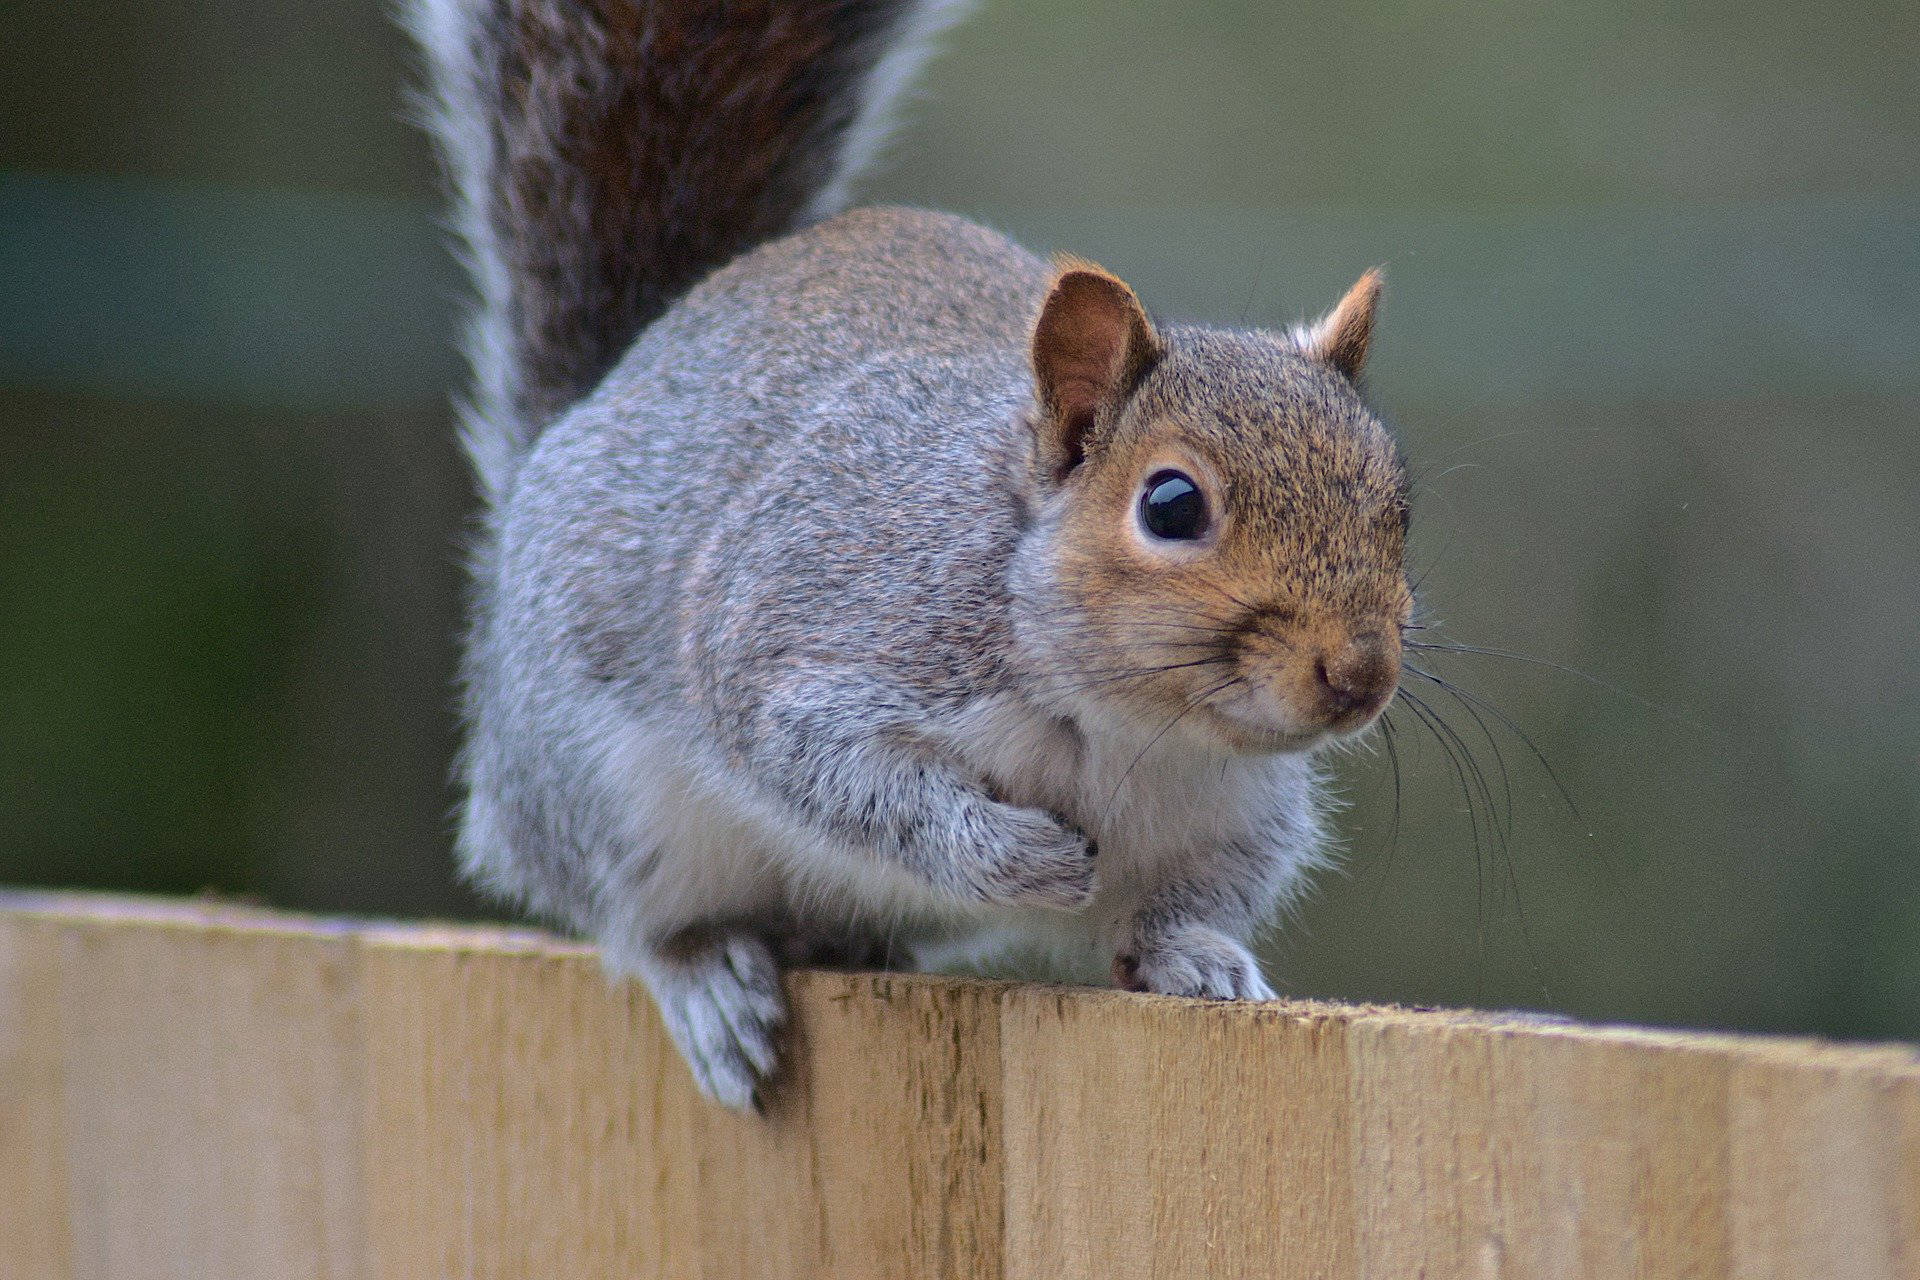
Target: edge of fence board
<point>209,1090</point>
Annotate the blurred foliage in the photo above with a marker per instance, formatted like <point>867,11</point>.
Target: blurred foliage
<point>1651,340</point>
<point>151,617</point>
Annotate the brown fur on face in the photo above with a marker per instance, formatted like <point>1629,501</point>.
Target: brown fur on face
<point>1281,626</point>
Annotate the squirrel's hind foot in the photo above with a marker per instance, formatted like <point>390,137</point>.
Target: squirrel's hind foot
<point>720,996</point>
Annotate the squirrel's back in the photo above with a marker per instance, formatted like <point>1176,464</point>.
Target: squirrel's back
<point>607,154</point>
<point>869,371</point>
<point>867,285</point>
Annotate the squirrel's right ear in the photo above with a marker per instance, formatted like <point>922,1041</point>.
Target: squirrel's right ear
<point>1091,346</point>
<point>1341,337</point>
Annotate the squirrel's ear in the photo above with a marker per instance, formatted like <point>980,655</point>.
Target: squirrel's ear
<point>1342,336</point>
<point>1091,346</point>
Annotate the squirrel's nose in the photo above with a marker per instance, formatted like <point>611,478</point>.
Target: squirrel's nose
<point>1357,677</point>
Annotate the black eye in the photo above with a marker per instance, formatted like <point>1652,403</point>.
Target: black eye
<point>1171,507</point>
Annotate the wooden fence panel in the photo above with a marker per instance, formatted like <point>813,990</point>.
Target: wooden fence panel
<point>34,1242</point>
<point>524,1123</point>
<point>211,1092</point>
<point>211,1079</point>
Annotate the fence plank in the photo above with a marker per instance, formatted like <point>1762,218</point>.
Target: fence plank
<point>33,1158</point>
<point>525,1121</point>
<point>514,1128</point>
<point>192,1091</point>
<point>1156,1137</point>
<point>1839,1143</point>
<point>212,1089</point>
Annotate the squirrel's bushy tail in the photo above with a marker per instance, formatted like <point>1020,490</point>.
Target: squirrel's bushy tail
<point>607,154</point>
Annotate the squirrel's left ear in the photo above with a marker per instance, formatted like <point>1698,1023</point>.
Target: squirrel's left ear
<point>1341,337</point>
<point>1091,346</point>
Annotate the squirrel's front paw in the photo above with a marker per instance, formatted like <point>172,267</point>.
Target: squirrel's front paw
<point>1031,859</point>
<point>1192,961</point>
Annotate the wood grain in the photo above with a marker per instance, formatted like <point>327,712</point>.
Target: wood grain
<point>204,1091</point>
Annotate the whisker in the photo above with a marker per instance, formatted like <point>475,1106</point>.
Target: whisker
<point>1387,735</point>
<point>1139,673</point>
<point>1463,756</point>
<point>1468,770</point>
<point>1493,744</point>
<point>1493,709</point>
<point>1426,476</point>
<point>1645,703</point>
<point>1501,838</point>
<point>1186,611</point>
<point>1065,669</point>
<point>1393,823</point>
<point>1432,564</point>
<point>1217,643</point>
<point>1420,713</point>
<point>1244,604</point>
<point>1553,776</point>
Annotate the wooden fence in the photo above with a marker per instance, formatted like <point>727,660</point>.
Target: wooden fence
<point>209,1092</point>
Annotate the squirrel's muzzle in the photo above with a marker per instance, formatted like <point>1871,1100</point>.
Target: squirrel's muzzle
<point>1304,680</point>
<point>1353,680</point>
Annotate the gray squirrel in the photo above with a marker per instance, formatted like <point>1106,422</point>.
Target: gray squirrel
<point>857,588</point>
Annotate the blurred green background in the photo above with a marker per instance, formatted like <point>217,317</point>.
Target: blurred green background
<point>1652,340</point>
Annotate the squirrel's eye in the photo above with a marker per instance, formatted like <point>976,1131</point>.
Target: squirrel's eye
<point>1171,507</point>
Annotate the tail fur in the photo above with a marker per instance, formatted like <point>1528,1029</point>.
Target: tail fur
<point>606,154</point>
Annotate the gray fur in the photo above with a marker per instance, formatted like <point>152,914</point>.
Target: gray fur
<point>761,585</point>
<point>778,652</point>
